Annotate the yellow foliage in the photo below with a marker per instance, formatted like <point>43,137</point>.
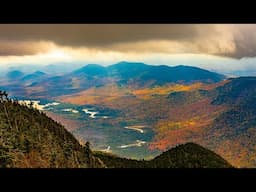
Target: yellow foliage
<point>173,125</point>
<point>164,90</point>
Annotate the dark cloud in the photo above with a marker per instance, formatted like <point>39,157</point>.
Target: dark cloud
<point>97,34</point>
<point>228,40</point>
<point>245,41</point>
<point>21,48</point>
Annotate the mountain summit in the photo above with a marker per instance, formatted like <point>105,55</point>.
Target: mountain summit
<point>14,75</point>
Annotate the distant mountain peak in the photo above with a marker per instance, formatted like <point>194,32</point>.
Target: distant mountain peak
<point>93,65</point>
<point>91,70</point>
<point>34,76</point>
<point>15,74</point>
<point>39,73</point>
<point>130,62</point>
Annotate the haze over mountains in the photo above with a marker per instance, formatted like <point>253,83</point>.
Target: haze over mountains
<point>53,68</point>
<point>136,75</point>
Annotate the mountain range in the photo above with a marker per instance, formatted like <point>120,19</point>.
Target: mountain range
<point>162,106</point>
<point>137,75</point>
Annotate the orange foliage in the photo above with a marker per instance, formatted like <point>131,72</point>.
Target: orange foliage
<point>234,153</point>
<point>95,95</point>
<point>111,92</point>
<point>185,124</point>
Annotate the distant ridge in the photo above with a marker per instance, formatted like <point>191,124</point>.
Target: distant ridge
<point>128,72</point>
<point>123,74</point>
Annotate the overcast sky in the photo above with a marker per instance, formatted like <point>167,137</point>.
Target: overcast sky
<point>219,47</point>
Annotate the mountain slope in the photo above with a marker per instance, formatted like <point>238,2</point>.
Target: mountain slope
<point>237,125</point>
<point>30,139</point>
<point>223,119</point>
<point>188,155</point>
<point>240,95</point>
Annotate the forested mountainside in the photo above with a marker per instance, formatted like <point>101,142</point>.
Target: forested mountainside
<point>30,139</point>
<point>221,118</point>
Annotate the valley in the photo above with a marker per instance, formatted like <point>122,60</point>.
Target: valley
<point>99,125</point>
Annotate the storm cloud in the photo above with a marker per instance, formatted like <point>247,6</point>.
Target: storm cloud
<point>229,40</point>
